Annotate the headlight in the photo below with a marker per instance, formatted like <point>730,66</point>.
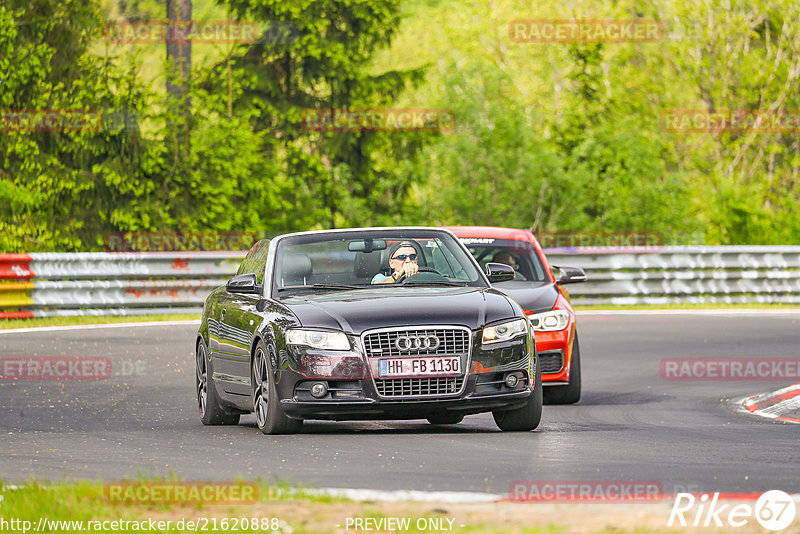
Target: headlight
<point>318,339</point>
<point>505,331</point>
<point>549,321</point>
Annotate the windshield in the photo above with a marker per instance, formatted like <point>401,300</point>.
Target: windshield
<point>357,260</point>
<point>519,254</point>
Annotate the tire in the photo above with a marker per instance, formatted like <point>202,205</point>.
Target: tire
<point>211,411</point>
<point>446,419</point>
<point>270,418</point>
<point>526,417</point>
<point>571,393</point>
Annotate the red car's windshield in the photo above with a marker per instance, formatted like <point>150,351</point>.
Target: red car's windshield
<point>519,254</point>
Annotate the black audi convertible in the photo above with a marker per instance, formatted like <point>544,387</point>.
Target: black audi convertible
<point>305,331</point>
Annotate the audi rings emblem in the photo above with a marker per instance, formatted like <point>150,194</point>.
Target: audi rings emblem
<point>404,343</point>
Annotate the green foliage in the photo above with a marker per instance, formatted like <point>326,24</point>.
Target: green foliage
<point>553,136</point>
<point>60,183</point>
<point>325,179</point>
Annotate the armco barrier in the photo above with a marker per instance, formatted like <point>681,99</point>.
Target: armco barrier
<point>688,274</point>
<point>110,283</point>
<point>103,283</point>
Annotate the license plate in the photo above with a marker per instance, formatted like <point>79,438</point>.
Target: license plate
<point>401,367</point>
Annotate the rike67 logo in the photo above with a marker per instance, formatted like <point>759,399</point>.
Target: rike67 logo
<point>774,510</point>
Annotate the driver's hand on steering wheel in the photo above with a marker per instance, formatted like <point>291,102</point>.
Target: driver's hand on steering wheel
<point>407,270</point>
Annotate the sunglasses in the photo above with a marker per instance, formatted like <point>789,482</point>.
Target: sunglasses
<point>402,257</point>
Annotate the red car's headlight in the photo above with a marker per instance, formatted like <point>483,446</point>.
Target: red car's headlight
<point>550,321</point>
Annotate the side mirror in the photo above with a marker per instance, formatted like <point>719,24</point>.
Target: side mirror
<point>570,275</point>
<point>243,283</point>
<point>499,272</point>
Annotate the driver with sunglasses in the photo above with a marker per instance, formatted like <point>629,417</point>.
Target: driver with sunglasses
<point>402,261</point>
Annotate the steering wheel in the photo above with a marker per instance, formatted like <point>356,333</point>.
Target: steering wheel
<point>403,278</point>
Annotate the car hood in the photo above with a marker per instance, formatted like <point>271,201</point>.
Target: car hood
<point>364,309</point>
<point>529,296</point>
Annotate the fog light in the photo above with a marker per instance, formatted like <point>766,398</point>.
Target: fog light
<point>512,380</point>
<point>319,390</point>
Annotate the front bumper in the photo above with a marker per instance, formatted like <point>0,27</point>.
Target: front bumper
<point>354,390</point>
<point>555,354</point>
<point>481,394</point>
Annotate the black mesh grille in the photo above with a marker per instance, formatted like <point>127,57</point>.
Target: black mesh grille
<point>450,341</point>
<point>412,387</point>
<point>551,362</point>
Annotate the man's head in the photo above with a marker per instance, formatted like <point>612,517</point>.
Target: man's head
<point>401,253</point>
<point>505,257</point>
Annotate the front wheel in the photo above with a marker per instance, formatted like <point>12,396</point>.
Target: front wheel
<point>266,404</point>
<point>211,411</point>
<point>571,393</point>
<point>526,417</point>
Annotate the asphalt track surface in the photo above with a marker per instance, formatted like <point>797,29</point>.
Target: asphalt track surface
<point>631,424</point>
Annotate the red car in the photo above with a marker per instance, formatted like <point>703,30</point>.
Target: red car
<point>546,304</point>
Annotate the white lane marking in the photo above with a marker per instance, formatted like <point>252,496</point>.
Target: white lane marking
<point>778,409</point>
<point>96,326</point>
<point>792,312</point>
<point>755,399</point>
<point>452,497</point>
<point>771,412</point>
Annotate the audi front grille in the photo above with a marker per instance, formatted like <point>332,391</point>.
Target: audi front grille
<point>419,387</point>
<point>398,343</point>
<point>433,340</point>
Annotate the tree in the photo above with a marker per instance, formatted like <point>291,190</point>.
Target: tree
<point>316,56</point>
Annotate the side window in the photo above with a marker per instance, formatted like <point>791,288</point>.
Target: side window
<point>260,260</point>
<point>256,260</point>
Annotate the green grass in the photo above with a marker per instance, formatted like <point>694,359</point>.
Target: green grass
<point>298,510</point>
<point>105,319</point>
<point>88,501</point>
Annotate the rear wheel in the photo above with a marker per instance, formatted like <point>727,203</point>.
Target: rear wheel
<point>266,404</point>
<point>211,411</point>
<point>445,419</point>
<point>526,417</point>
<point>571,393</point>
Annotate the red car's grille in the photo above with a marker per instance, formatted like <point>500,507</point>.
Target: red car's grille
<point>551,361</point>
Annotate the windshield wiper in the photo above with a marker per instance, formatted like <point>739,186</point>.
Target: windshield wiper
<point>336,286</point>
<point>434,283</point>
<point>321,286</point>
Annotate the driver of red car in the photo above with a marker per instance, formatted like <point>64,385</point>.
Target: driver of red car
<point>402,261</point>
<point>509,259</point>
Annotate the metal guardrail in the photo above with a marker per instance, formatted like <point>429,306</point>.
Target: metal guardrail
<point>687,274</point>
<point>110,283</point>
<point>102,283</point>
